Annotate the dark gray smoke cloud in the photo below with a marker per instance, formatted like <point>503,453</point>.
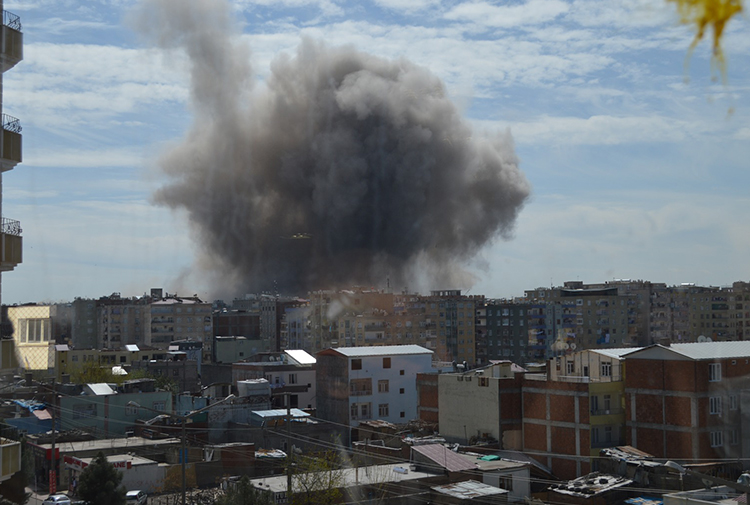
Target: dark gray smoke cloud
<point>342,168</point>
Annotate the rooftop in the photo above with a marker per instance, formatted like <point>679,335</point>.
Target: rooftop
<point>591,485</point>
<point>705,350</point>
<point>383,350</point>
<point>362,476</point>
<point>468,490</point>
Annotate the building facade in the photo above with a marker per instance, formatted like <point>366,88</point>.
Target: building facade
<point>364,383</point>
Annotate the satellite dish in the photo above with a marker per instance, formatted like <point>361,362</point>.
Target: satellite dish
<point>573,346</point>
<point>709,339</point>
<point>567,346</point>
<point>702,338</point>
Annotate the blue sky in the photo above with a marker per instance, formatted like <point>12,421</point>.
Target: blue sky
<point>637,168</point>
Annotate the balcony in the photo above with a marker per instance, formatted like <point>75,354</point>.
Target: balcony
<point>12,41</point>
<point>12,145</point>
<point>10,458</point>
<point>11,244</point>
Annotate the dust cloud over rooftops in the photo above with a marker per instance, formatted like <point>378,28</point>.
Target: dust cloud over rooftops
<point>343,167</point>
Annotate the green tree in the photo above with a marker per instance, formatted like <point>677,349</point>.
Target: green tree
<point>91,372</point>
<point>317,480</point>
<point>244,493</point>
<point>99,483</point>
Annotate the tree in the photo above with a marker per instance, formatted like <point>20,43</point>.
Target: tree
<point>99,483</point>
<point>317,480</point>
<point>244,493</point>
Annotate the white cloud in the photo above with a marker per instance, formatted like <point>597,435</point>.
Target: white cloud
<point>119,157</point>
<point>602,130</point>
<point>506,16</point>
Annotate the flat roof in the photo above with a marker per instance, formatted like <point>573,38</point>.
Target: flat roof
<point>381,350</point>
<point>109,443</point>
<point>362,476</point>
<point>280,413</point>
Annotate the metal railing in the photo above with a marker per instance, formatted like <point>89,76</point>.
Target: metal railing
<point>11,124</point>
<point>11,227</point>
<point>11,20</point>
<point>607,412</point>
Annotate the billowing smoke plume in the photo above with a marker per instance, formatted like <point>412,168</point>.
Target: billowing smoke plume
<point>342,168</point>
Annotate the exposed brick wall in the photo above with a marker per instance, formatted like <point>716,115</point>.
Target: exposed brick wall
<point>677,410</point>
<point>564,440</point>
<point>535,437</point>
<point>562,408</point>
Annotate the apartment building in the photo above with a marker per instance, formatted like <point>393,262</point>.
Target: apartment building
<point>505,329</point>
<point>452,318</point>
<point>291,373</point>
<point>364,383</point>
<point>482,405</point>
<point>689,401</point>
<point>598,315</point>
<point>11,53</point>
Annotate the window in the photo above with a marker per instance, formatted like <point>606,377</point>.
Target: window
<point>484,382</point>
<point>570,367</point>
<point>175,373</point>
<point>402,414</point>
<point>607,402</point>
<point>131,410</point>
<point>386,362</point>
<point>401,391</point>
<point>732,402</point>
<point>292,378</point>
<point>158,406</point>
<point>714,404</point>
<point>383,410</point>
<point>606,368</point>
<point>360,387</point>
<point>364,410</point>
<point>34,330</point>
<point>354,410</point>
<point>717,439</point>
<point>401,372</point>
<point>734,437</point>
<point>608,433</point>
<point>714,372</point>
<point>382,386</point>
<point>506,482</point>
<point>357,364</point>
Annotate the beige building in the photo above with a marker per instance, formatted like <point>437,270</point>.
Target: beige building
<point>32,333</point>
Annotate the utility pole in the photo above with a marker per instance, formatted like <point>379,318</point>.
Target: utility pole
<point>288,448</point>
<point>53,459</point>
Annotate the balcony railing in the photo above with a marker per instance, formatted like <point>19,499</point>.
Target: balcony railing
<point>11,227</point>
<point>11,124</point>
<point>11,20</point>
<point>607,412</point>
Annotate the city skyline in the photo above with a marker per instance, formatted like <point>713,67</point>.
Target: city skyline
<point>635,173</point>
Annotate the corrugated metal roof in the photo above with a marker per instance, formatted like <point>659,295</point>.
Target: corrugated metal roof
<point>618,352</point>
<point>709,350</point>
<point>100,389</point>
<point>468,490</point>
<point>383,350</point>
<point>301,357</point>
<point>444,457</point>
<point>280,413</point>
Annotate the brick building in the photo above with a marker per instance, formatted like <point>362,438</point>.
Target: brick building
<point>685,401</point>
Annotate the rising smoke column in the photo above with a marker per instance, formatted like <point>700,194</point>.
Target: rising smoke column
<point>343,168</point>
